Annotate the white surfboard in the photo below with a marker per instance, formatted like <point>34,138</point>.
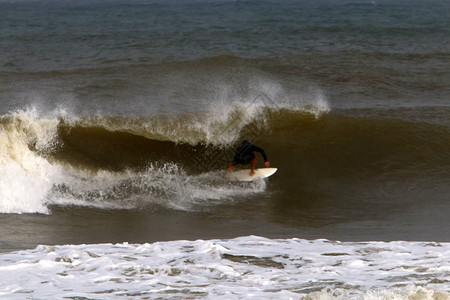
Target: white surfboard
<point>244,175</point>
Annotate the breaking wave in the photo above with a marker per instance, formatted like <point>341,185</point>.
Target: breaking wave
<point>177,161</point>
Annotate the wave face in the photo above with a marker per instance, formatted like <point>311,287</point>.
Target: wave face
<point>250,265</point>
<point>174,162</point>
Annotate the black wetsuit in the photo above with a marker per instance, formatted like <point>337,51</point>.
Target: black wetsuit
<point>244,154</point>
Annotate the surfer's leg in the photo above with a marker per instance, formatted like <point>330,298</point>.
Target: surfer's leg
<point>231,167</point>
<point>252,171</point>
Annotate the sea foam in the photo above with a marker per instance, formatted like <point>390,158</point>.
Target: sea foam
<point>241,268</point>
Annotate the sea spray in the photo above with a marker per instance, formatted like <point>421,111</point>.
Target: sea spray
<point>26,176</point>
<point>159,185</point>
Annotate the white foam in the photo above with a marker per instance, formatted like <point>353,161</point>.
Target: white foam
<point>241,268</point>
<point>25,176</point>
<point>164,185</point>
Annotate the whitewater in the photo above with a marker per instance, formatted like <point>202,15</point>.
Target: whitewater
<point>249,267</point>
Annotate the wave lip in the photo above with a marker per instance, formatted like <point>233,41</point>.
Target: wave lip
<point>264,268</point>
<point>220,122</point>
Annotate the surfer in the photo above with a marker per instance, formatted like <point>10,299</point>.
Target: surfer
<point>244,155</point>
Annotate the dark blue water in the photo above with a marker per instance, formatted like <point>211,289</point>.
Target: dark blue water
<point>67,35</point>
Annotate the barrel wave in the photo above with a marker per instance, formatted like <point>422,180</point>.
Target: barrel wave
<point>171,161</point>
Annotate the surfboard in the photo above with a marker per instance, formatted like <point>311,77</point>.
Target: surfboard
<point>244,175</point>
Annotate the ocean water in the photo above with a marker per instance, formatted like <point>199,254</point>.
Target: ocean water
<point>118,119</point>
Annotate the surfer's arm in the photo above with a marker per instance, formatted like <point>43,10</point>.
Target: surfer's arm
<point>263,153</point>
